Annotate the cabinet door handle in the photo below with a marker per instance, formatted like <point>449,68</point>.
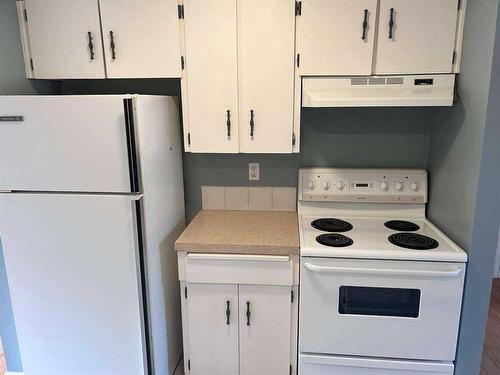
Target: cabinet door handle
<point>248,313</point>
<point>91,46</point>
<point>228,123</point>
<point>228,312</point>
<point>365,24</point>
<point>391,23</point>
<point>252,123</point>
<point>112,45</point>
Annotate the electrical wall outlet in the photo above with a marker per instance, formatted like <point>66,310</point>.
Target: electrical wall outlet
<point>253,171</point>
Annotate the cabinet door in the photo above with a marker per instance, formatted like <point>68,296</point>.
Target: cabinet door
<point>212,311</point>
<point>331,38</point>
<point>266,30</point>
<point>63,35</point>
<point>211,74</point>
<point>146,38</point>
<point>265,323</point>
<point>422,38</point>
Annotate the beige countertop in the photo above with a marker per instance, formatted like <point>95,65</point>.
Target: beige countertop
<point>241,232</point>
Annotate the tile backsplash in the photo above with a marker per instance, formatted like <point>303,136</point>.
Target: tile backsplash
<point>249,198</point>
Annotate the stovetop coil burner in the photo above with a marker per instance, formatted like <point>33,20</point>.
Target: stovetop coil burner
<point>334,240</point>
<point>413,241</point>
<point>331,225</point>
<point>402,225</point>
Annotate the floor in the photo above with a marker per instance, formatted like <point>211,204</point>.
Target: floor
<point>491,353</point>
<point>3,365</point>
<point>180,368</point>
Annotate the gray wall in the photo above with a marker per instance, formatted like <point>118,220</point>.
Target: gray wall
<point>13,81</point>
<point>463,165</point>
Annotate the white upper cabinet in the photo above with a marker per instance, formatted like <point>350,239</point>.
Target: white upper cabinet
<point>266,74</point>
<point>238,85</point>
<point>336,37</point>
<point>212,317</point>
<point>421,38</point>
<point>211,86</point>
<point>145,34</point>
<point>265,329</point>
<point>65,39</point>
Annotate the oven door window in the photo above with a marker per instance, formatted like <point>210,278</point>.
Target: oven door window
<point>355,300</point>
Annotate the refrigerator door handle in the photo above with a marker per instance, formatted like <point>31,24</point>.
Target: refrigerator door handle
<point>128,108</point>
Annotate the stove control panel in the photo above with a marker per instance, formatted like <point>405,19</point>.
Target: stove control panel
<point>367,185</point>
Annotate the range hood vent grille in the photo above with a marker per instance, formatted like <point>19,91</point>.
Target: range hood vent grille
<point>378,91</point>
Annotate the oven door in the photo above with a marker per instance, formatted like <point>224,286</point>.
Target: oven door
<point>377,308</point>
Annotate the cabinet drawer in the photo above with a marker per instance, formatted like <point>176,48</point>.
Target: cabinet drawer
<point>325,365</point>
<point>239,269</point>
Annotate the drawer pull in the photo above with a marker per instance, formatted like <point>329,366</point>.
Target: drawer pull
<point>228,312</point>
<point>391,23</point>
<point>365,25</point>
<point>248,313</point>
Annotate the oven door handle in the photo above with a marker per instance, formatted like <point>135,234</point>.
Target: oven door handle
<point>384,272</point>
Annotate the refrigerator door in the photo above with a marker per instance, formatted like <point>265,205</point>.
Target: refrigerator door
<point>66,143</point>
<point>73,271</point>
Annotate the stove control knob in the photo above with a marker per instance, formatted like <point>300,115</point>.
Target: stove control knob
<point>340,185</point>
<point>325,185</point>
<point>414,186</point>
<point>383,186</point>
<point>311,185</point>
<point>399,186</point>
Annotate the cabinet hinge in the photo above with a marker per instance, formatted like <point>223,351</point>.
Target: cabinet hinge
<point>185,292</point>
<point>293,297</point>
<point>180,11</point>
<point>31,65</point>
<point>189,364</point>
<point>291,370</point>
<point>293,144</point>
<point>459,4</point>
<point>182,62</point>
<point>298,8</point>
<point>454,58</point>
<point>298,60</point>
<point>25,15</point>
<point>189,138</point>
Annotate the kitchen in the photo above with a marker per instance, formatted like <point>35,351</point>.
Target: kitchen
<point>423,138</point>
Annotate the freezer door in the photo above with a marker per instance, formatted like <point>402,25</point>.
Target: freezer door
<point>65,143</point>
<point>72,268</point>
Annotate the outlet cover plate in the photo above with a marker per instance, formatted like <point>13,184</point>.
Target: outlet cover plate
<point>253,171</point>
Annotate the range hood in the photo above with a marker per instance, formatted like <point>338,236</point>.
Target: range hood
<point>379,91</point>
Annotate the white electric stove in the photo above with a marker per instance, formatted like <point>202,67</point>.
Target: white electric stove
<point>381,286</point>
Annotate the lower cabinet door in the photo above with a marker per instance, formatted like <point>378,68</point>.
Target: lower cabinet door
<point>265,322</point>
<point>212,311</point>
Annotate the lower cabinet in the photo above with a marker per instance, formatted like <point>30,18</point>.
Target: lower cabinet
<point>239,313</point>
<point>239,329</point>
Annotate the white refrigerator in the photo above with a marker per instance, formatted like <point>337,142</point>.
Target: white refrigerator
<point>91,202</point>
